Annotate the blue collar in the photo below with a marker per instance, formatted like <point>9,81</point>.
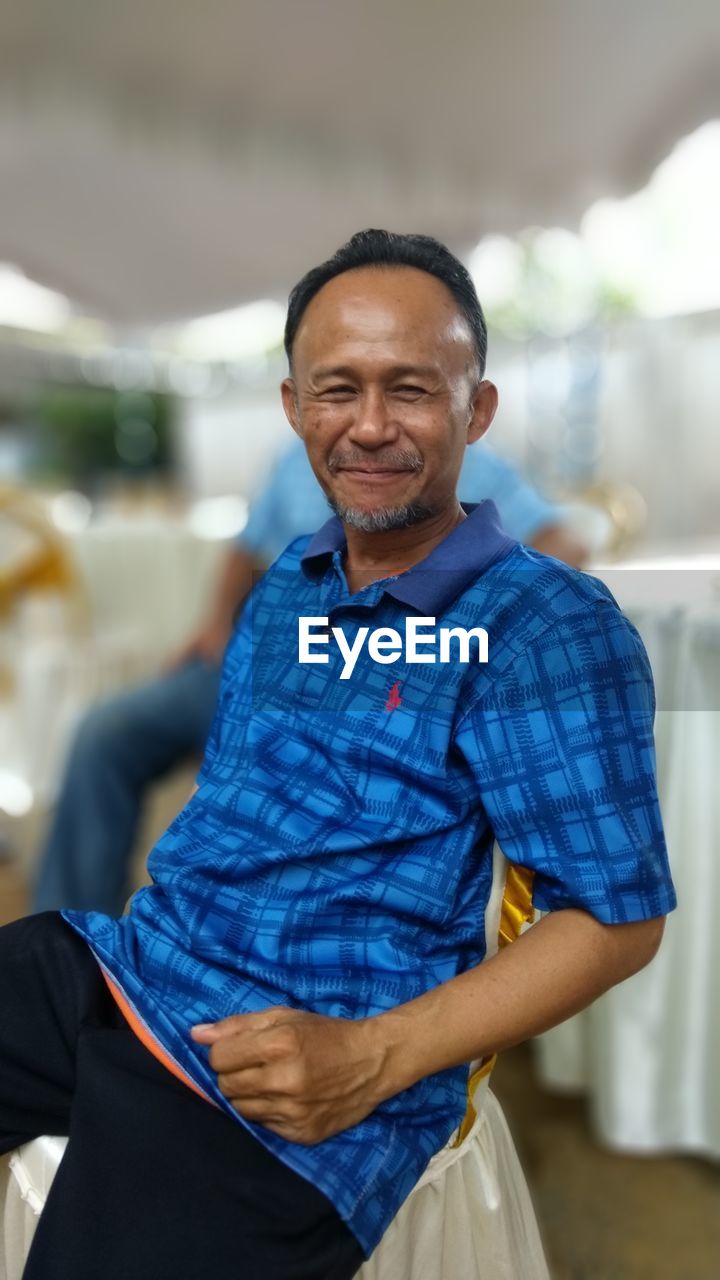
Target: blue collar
<point>430,586</point>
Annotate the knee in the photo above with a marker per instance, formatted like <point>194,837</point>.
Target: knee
<point>43,939</point>
<point>103,732</point>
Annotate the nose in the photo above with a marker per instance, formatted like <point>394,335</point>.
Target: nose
<point>373,425</point>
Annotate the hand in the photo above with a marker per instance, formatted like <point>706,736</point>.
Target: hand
<point>209,645</point>
<point>302,1075</point>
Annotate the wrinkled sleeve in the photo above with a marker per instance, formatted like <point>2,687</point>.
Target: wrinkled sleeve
<point>561,750</point>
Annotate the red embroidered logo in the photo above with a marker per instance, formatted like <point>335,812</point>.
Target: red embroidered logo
<point>394,698</point>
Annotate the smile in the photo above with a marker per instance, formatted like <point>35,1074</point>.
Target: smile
<point>360,473</point>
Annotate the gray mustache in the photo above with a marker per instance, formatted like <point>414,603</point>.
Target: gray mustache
<point>400,460</point>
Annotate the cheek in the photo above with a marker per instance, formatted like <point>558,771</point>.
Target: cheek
<point>321,431</point>
<point>326,421</point>
<point>443,450</point>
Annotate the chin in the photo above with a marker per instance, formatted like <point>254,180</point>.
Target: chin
<point>380,519</point>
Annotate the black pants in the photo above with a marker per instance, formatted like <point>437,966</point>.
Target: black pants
<point>155,1184</point>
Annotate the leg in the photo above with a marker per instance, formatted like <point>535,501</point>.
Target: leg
<point>120,747</point>
<point>50,987</point>
<point>159,1185</point>
<point>155,1183</point>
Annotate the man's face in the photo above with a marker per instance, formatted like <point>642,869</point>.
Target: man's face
<point>385,394</point>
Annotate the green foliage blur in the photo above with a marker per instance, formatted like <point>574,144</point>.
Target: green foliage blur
<point>83,434</point>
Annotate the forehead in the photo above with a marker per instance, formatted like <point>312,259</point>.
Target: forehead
<point>391,312</point>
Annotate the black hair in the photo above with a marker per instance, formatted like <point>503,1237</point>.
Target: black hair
<point>373,248</point>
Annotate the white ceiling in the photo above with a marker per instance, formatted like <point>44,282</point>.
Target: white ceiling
<point>164,159</point>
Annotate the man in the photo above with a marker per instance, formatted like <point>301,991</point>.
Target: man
<point>128,741</point>
<point>308,957</point>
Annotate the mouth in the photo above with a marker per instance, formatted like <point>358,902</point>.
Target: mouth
<point>374,475</point>
<point>365,467</point>
<point>376,471</point>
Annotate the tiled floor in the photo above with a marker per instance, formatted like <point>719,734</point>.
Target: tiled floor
<point>603,1216</point>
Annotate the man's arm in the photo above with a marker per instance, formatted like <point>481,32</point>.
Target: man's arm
<point>552,971</point>
<point>524,512</point>
<point>277,515</point>
<point>559,541</point>
<point>307,1077</point>
<point>234,583</point>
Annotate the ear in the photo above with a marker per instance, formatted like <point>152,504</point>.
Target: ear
<point>482,410</point>
<point>288,391</point>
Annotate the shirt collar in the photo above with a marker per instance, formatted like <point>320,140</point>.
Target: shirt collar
<point>467,551</point>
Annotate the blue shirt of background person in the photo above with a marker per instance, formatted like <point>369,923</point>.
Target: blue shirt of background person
<point>292,502</point>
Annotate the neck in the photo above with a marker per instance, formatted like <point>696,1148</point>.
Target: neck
<point>372,556</point>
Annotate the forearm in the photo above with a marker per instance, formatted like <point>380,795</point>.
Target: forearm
<point>552,971</point>
<point>307,1076</point>
<point>233,585</point>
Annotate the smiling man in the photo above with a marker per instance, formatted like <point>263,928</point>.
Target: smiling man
<point>256,1064</point>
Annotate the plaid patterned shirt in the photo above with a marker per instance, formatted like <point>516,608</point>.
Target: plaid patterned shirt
<point>338,853</point>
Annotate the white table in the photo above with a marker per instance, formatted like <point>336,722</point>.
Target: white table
<point>648,1052</point>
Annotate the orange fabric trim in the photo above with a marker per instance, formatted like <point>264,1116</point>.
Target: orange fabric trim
<point>148,1040</point>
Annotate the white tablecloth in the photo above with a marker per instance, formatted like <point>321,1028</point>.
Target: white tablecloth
<point>648,1052</point>
<point>25,1179</point>
<point>146,584</point>
<point>153,574</point>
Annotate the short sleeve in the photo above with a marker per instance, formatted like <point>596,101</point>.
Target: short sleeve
<point>562,752</point>
<point>523,511</point>
<point>291,504</point>
<point>259,537</point>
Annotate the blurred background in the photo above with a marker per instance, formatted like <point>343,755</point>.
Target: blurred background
<point>168,171</point>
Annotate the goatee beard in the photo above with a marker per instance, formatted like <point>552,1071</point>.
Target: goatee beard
<point>382,520</point>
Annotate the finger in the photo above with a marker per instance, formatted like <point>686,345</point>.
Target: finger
<point>262,1111</point>
<point>266,1047</point>
<point>205,1033</point>
<point>256,1082</point>
<point>209,1032</point>
<point>258,1049</point>
<point>243,1085</point>
<point>273,1112</point>
<point>303,1131</point>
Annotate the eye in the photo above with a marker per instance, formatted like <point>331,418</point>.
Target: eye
<point>342,391</point>
<point>409,391</point>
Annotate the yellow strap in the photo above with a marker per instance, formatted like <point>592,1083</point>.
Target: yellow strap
<point>517,904</point>
<point>515,911</point>
<point>470,1116</point>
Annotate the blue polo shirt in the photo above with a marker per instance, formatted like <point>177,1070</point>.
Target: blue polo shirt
<point>337,856</point>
